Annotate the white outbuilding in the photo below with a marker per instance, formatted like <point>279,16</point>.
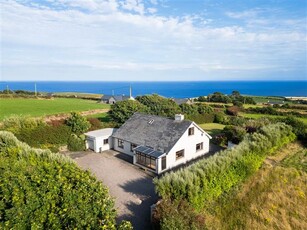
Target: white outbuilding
<point>100,140</point>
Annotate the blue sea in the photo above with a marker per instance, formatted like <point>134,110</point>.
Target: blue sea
<point>168,89</point>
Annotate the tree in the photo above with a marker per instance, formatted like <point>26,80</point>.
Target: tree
<point>77,123</point>
<point>159,105</point>
<point>123,110</point>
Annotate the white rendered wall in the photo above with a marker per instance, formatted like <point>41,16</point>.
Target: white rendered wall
<point>126,149</point>
<point>188,143</point>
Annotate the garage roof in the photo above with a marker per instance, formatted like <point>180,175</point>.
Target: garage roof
<point>100,133</point>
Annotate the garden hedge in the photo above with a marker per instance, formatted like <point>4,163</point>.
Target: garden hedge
<point>44,190</point>
<point>207,179</point>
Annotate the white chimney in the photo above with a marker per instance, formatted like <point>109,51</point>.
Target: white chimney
<point>179,117</point>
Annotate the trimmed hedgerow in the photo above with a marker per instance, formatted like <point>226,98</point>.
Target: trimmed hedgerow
<point>207,179</point>
<point>44,190</point>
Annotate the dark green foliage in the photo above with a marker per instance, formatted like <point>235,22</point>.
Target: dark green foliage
<point>207,179</point>
<point>45,135</point>
<point>123,110</point>
<point>159,105</point>
<point>235,134</point>
<point>219,97</point>
<point>189,109</point>
<point>298,127</point>
<point>202,99</point>
<point>177,215</point>
<point>203,108</point>
<point>201,118</point>
<point>76,143</point>
<point>238,104</point>
<point>219,118</point>
<point>95,123</point>
<point>77,123</point>
<point>43,190</point>
<point>233,110</point>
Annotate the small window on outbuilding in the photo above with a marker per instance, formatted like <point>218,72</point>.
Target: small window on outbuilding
<point>120,143</point>
<point>106,141</point>
<point>180,154</point>
<point>191,131</point>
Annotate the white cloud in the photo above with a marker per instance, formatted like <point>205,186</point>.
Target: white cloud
<point>99,35</point>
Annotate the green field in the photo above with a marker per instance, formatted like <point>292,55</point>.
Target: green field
<point>212,128</point>
<point>43,107</point>
<point>256,116</point>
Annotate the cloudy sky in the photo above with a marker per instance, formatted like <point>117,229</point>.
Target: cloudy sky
<point>145,40</point>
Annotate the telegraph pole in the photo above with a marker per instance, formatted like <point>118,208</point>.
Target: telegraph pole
<point>35,89</point>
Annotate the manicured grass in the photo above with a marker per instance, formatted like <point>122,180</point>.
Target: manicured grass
<point>256,116</point>
<point>42,107</point>
<point>212,128</point>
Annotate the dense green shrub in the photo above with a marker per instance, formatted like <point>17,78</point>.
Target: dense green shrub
<point>160,106</point>
<point>235,134</point>
<point>176,215</point>
<point>77,123</point>
<point>44,190</point>
<point>233,110</point>
<point>95,123</point>
<point>76,143</point>
<point>17,124</point>
<point>123,110</point>
<point>207,179</point>
<point>219,118</point>
<point>201,118</point>
<point>44,135</point>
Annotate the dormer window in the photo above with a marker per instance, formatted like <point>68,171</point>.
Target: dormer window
<point>191,131</point>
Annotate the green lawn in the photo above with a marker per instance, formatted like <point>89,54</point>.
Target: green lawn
<point>42,107</point>
<point>212,128</point>
<point>256,116</point>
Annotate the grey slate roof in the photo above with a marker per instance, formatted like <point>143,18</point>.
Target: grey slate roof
<point>161,135</point>
<point>116,97</point>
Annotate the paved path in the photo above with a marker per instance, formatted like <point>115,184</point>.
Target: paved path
<point>131,187</point>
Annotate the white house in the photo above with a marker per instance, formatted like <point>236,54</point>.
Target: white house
<point>158,143</point>
<point>100,140</point>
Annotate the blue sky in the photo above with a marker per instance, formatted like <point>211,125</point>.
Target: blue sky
<point>153,40</point>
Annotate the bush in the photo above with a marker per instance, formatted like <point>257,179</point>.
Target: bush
<point>201,118</point>
<point>76,143</point>
<point>45,135</point>
<point>77,123</point>
<point>44,190</point>
<point>95,123</point>
<point>233,110</point>
<point>235,134</point>
<point>219,118</point>
<point>238,104</point>
<point>207,179</point>
<point>17,124</point>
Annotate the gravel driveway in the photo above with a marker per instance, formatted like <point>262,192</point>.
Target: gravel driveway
<point>131,187</point>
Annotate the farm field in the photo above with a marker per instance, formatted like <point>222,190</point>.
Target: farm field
<point>256,116</point>
<point>212,128</point>
<point>43,107</point>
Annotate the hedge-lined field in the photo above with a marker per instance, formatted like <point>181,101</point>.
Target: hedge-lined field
<point>44,190</point>
<point>43,107</point>
<point>207,179</point>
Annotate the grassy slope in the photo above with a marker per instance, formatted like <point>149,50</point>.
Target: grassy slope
<point>41,107</point>
<point>212,128</point>
<point>274,198</point>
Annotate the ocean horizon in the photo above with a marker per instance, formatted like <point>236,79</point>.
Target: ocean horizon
<point>179,89</point>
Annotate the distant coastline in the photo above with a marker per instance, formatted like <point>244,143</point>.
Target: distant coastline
<point>180,89</point>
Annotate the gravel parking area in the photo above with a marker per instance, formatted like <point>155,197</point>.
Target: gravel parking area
<point>131,187</point>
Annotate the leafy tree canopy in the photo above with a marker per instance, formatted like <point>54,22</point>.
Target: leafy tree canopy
<point>77,123</point>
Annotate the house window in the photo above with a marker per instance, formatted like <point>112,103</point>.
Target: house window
<point>132,146</point>
<point>120,143</point>
<point>199,146</point>
<point>180,154</point>
<point>106,141</point>
<point>145,160</point>
<point>191,131</point>
<point>163,162</point>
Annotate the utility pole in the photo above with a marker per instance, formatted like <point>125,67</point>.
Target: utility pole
<point>112,92</point>
<point>35,89</point>
<point>130,92</point>
<point>7,89</point>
